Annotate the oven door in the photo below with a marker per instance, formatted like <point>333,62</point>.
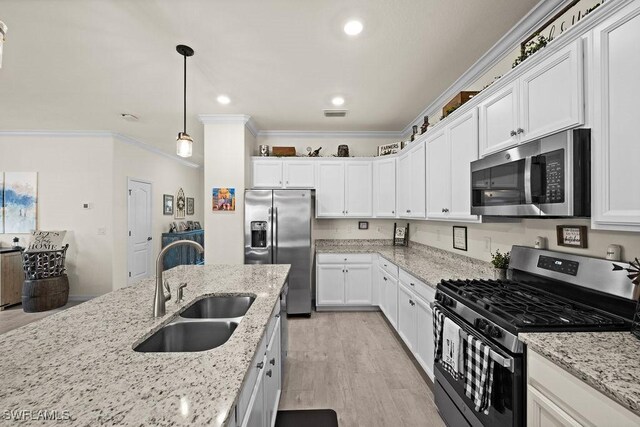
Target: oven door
<point>507,394</point>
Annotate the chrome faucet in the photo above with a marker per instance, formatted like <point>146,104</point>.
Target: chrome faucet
<point>160,299</point>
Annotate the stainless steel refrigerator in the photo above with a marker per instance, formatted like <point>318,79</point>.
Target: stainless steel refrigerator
<point>277,230</point>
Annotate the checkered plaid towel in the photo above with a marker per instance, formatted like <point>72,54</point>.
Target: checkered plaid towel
<point>438,321</point>
<point>478,378</point>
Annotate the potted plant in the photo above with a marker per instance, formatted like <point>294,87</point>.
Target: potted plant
<point>500,263</point>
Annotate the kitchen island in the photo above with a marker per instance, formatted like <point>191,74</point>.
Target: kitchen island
<point>81,364</point>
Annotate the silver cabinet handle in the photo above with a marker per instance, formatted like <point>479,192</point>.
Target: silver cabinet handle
<point>260,365</point>
<point>277,316</point>
<point>346,212</point>
<point>269,373</point>
<point>384,278</point>
<point>520,130</point>
<point>412,284</point>
<point>412,303</point>
<point>273,361</point>
<point>513,133</point>
<point>347,271</point>
<point>149,239</point>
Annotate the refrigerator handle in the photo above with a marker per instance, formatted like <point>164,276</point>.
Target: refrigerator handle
<point>275,235</point>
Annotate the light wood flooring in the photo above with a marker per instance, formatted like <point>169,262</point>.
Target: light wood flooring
<point>14,317</point>
<point>354,364</point>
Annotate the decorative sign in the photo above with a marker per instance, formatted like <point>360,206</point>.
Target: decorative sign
<point>400,235</point>
<point>223,199</point>
<point>190,206</point>
<point>460,238</point>
<point>386,149</point>
<point>574,236</point>
<point>363,225</point>
<point>45,241</point>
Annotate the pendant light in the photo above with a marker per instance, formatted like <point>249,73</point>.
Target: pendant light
<point>184,144</point>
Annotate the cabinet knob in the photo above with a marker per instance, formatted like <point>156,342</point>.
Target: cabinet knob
<point>520,130</point>
<point>412,284</point>
<point>385,279</point>
<point>287,182</point>
<point>269,373</point>
<point>393,212</point>
<point>347,271</point>
<point>346,211</point>
<point>260,365</point>
<point>277,316</point>
<point>279,182</point>
<point>273,361</point>
<point>513,133</point>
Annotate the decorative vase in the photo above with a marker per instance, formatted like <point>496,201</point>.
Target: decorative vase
<point>500,273</point>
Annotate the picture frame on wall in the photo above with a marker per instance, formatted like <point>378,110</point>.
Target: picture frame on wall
<point>460,238</point>
<point>572,236</point>
<point>190,206</point>
<point>181,205</point>
<point>363,225</point>
<point>167,204</point>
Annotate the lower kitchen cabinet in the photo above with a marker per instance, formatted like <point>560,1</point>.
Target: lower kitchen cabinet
<point>330,284</point>
<point>358,284</point>
<point>423,350</point>
<point>557,398</point>
<point>389,297</point>
<point>407,316</point>
<point>344,280</point>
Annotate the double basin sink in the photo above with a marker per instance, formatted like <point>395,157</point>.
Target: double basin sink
<point>206,324</point>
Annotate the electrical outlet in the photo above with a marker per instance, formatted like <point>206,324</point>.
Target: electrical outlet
<point>487,244</point>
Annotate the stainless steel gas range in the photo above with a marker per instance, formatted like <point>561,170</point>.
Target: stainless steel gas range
<point>546,292</point>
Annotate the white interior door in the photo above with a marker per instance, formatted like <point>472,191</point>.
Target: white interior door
<point>140,247</point>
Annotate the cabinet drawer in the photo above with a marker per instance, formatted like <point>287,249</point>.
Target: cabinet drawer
<point>344,258</point>
<point>418,286</point>
<point>388,267</point>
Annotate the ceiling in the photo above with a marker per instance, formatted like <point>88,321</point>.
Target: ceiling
<point>76,65</point>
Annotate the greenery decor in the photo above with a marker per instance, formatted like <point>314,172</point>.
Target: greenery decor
<point>530,48</point>
<point>500,260</point>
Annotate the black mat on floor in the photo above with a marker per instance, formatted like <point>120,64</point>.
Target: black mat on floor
<point>307,418</point>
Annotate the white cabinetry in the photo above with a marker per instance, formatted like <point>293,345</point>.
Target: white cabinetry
<point>299,173</point>
<point>411,183</point>
<point>557,398</point>
<point>407,316</point>
<point>423,350</point>
<point>384,188</point>
<point>282,173</point>
<point>344,188</point>
<point>450,152</point>
<point>615,147</point>
<point>266,173</point>
<point>389,297</point>
<point>546,99</point>
<point>344,280</point>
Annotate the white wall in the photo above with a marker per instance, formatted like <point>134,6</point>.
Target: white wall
<point>71,171</point>
<point>358,147</point>
<point>166,176</point>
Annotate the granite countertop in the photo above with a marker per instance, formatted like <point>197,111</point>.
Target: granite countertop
<point>81,360</point>
<point>427,263</point>
<point>607,361</point>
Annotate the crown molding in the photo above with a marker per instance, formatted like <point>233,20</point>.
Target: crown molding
<point>543,11</point>
<point>100,134</point>
<point>328,134</point>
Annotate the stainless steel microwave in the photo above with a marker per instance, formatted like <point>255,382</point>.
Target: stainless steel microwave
<point>549,177</point>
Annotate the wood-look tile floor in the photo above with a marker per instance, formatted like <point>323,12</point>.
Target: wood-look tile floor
<point>14,317</point>
<point>354,364</point>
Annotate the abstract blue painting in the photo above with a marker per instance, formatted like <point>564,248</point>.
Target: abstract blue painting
<point>20,201</point>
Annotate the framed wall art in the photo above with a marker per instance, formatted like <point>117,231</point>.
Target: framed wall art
<point>181,205</point>
<point>223,199</point>
<point>167,204</point>
<point>190,206</point>
<point>18,201</point>
<point>363,225</point>
<point>572,236</point>
<point>460,238</point>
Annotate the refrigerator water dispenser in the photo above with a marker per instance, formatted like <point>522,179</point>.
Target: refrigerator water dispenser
<point>258,234</point>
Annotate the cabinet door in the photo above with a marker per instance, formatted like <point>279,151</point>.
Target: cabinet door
<point>463,142</point>
<point>542,412</point>
<point>299,173</point>
<point>330,189</point>
<point>330,284</point>
<point>382,290</point>
<point>403,186</point>
<point>384,188</point>
<point>418,195</point>
<point>267,173</point>
<point>391,299</point>
<point>358,284</point>
<point>615,147</point>
<point>424,336</point>
<point>11,278</point>
<point>272,379</point>
<point>406,316</point>
<point>551,94</point>
<point>439,173</point>
<point>358,189</point>
<point>499,120</point>
<point>256,411</point>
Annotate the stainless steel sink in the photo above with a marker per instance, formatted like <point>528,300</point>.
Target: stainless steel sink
<point>188,336</point>
<point>219,307</point>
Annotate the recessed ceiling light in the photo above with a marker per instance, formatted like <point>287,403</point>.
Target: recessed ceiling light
<point>224,99</point>
<point>338,101</point>
<point>353,27</point>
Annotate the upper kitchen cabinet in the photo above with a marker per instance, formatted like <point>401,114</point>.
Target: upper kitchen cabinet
<point>282,173</point>
<point>266,173</point>
<point>547,98</point>
<point>411,182</point>
<point>344,188</point>
<point>449,154</point>
<point>615,148</point>
<point>384,187</point>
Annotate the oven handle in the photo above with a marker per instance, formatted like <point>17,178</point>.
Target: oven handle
<point>527,180</point>
<point>502,360</point>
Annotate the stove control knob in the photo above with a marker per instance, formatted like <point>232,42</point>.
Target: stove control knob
<point>492,331</point>
<point>480,324</point>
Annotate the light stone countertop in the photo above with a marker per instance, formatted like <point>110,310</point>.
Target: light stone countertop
<point>81,360</point>
<point>428,264</point>
<point>607,361</point>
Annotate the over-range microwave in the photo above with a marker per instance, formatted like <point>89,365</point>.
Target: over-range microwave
<point>549,177</point>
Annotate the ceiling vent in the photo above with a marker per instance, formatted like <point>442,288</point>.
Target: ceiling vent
<point>335,113</point>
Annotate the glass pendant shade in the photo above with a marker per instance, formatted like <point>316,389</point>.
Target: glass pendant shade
<point>184,145</point>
